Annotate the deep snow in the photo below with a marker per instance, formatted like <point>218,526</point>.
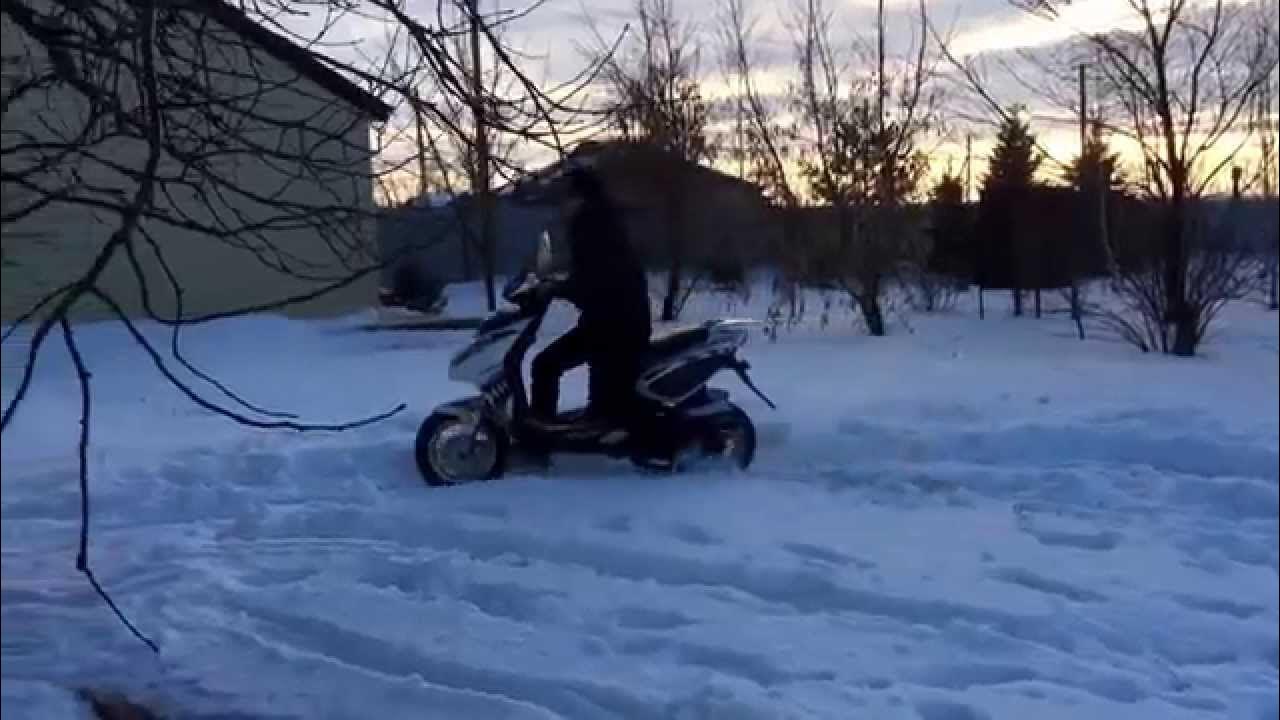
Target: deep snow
<point>968,519</point>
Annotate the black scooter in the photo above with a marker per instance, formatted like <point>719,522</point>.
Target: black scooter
<point>679,421</point>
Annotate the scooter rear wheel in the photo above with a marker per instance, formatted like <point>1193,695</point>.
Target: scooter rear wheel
<point>731,436</point>
<point>453,451</point>
<point>726,438</point>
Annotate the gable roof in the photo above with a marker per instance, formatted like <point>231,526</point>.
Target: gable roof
<point>302,60</point>
<point>615,155</point>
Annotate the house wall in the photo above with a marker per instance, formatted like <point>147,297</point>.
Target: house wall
<point>249,224</point>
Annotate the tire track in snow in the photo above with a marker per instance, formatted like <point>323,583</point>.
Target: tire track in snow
<point>1047,446</point>
<point>803,592</point>
<point>345,524</point>
<point>571,697</point>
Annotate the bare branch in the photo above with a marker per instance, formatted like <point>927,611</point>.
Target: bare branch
<point>82,555</point>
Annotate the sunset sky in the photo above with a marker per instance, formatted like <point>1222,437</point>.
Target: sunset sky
<point>552,34</point>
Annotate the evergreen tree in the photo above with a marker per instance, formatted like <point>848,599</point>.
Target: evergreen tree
<point>1097,161</point>
<point>949,228</point>
<point>949,190</point>
<point>1014,161</point>
<point>1010,177</point>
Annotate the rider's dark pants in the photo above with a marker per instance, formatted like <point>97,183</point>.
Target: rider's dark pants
<point>614,366</point>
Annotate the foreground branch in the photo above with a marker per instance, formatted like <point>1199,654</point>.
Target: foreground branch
<point>82,556</point>
<point>196,398</point>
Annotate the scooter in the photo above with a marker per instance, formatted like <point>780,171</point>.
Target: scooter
<point>679,421</point>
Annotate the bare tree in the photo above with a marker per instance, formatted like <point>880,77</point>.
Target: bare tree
<point>1178,79</point>
<point>464,156</point>
<point>656,102</point>
<point>857,135</point>
<point>171,122</point>
<point>766,152</point>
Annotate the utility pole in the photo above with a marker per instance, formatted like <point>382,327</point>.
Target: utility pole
<point>1268,134</point>
<point>968,168</point>
<point>1077,314</point>
<point>880,84</point>
<point>1084,113</point>
<point>968,198</point>
<point>739,133</point>
<point>480,189</point>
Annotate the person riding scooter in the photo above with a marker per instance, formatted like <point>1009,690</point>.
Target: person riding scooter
<point>608,285</point>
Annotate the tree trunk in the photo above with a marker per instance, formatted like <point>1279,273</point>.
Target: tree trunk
<point>675,256</point>
<point>669,309</point>
<point>1077,312</point>
<point>1274,301</point>
<point>481,181</point>
<point>489,259</point>
<point>1175,277</point>
<point>1184,337</point>
<point>791,257</point>
<point>872,314</point>
<point>465,242</point>
<point>1017,301</point>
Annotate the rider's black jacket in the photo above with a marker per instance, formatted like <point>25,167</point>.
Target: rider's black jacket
<point>606,280</point>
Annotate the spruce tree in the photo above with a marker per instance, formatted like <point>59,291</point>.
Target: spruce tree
<point>1010,176</point>
<point>1097,161</point>
<point>1014,161</point>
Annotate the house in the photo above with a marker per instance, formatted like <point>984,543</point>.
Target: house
<point>263,179</point>
<point>709,212</point>
<point>719,214</point>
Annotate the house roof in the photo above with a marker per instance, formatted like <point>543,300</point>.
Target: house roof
<point>302,60</point>
<point>613,155</point>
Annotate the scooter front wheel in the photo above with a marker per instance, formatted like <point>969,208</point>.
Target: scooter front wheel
<point>451,450</point>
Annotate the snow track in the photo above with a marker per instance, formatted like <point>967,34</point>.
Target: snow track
<point>946,558</point>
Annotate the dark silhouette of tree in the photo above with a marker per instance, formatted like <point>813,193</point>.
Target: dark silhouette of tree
<point>1008,182</point>
<point>940,264</point>
<point>950,229</point>
<point>1014,161</point>
<point>1176,80</point>
<point>949,190</point>
<point>1097,161</point>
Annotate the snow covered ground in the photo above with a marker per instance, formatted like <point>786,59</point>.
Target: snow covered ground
<point>968,519</point>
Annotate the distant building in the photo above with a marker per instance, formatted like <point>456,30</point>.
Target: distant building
<point>721,214</point>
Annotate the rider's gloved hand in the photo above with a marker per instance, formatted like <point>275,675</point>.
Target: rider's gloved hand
<point>547,291</point>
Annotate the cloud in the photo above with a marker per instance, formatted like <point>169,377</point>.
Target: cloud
<point>1020,29</point>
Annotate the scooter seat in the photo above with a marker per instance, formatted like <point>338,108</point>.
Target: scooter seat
<point>676,341</point>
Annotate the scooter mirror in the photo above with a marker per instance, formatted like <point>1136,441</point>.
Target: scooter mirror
<point>544,258</point>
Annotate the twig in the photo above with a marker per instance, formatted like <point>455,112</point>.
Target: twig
<point>174,347</point>
<point>82,556</point>
<point>34,310</point>
<point>195,397</point>
<point>28,371</point>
